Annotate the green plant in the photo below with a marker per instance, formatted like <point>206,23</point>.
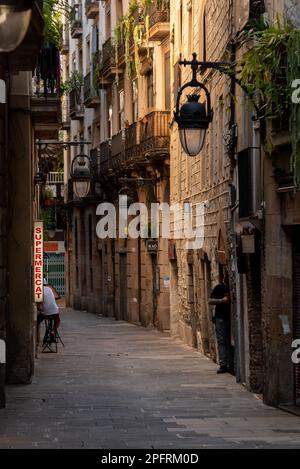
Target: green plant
<point>128,28</point>
<point>96,68</point>
<point>75,82</point>
<point>48,219</point>
<point>268,69</point>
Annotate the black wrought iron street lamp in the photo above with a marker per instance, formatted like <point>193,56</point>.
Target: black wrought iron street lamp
<point>193,117</point>
<point>81,175</point>
<point>14,22</point>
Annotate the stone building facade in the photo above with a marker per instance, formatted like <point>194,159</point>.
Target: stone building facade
<point>204,28</point>
<point>250,219</point>
<point>129,150</point>
<point>24,118</point>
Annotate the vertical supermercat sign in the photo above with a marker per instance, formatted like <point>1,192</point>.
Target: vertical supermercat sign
<point>38,267</point>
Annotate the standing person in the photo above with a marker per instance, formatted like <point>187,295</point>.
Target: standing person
<point>50,309</point>
<point>220,298</point>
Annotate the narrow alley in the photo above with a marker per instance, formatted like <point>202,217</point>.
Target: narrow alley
<point>117,385</point>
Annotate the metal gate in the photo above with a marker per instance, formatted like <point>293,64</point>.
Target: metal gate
<point>55,271</point>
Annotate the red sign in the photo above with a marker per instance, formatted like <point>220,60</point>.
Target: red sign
<point>50,246</point>
<point>38,265</point>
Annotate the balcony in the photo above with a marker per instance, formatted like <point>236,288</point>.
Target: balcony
<point>91,9</point>
<point>55,183</point>
<point>117,150</point>
<point>91,98</point>
<point>76,105</point>
<point>155,134</point>
<point>159,21</point>
<point>76,22</point>
<point>132,142</point>
<point>107,65</point>
<point>45,100</point>
<point>105,157</point>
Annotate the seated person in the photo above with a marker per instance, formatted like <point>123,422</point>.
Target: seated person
<point>49,308</point>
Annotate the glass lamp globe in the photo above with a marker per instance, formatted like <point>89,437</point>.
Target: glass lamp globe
<point>193,122</point>
<point>81,188</point>
<point>14,21</point>
<point>192,140</point>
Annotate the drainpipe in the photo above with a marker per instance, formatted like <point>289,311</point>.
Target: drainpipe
<point>234,277</point>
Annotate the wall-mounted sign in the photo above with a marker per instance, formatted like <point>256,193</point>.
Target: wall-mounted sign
<point>152,246</point>
<point>38,266</point>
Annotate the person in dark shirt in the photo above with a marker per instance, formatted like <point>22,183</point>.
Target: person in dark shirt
<point>220,298</point>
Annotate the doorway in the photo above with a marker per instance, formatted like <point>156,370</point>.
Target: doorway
<point>123,286</point>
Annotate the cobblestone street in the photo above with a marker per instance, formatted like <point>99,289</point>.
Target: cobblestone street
<point>117,385</point>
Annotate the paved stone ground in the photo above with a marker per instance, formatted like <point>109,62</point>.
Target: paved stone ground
<point>117,385</point>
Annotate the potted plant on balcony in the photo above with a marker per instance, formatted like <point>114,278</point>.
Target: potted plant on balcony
<point>75,84</point>
<point>48,198</point>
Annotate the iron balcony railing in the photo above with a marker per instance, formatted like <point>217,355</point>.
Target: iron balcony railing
<point>105,157</point>
<point>46,78</point>
<point>159,12</point>
<point>108,56</point>
<point>76,103</point>
<point>55,178</point>
<point>95,163</point>
<point>131,141</point>
<point>117,149</point>
<point>89,90</point>
<point>155,125</point>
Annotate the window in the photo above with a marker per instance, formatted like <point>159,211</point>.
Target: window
<point>135,111</point>
<point>180,25</point>
<point>121,117</point>
<point>80,61</point>
<point>190,30</point>
<point>88,55</point>
<point>90,237</point>
<point>76,253</point>
<point>108,24</point>
<point>76,238</point>
<point>202,36</point>
<point>167,81</point>
<point>119,8</point>
<point>150,91</point>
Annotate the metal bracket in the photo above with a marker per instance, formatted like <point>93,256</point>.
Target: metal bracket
<point>48,151</point>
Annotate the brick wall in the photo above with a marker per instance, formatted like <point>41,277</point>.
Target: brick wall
<point>204,178</point>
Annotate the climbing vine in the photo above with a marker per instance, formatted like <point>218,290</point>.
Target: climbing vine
<point>268,70</point>
<point>135,26</point>
<point>52,14</point>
